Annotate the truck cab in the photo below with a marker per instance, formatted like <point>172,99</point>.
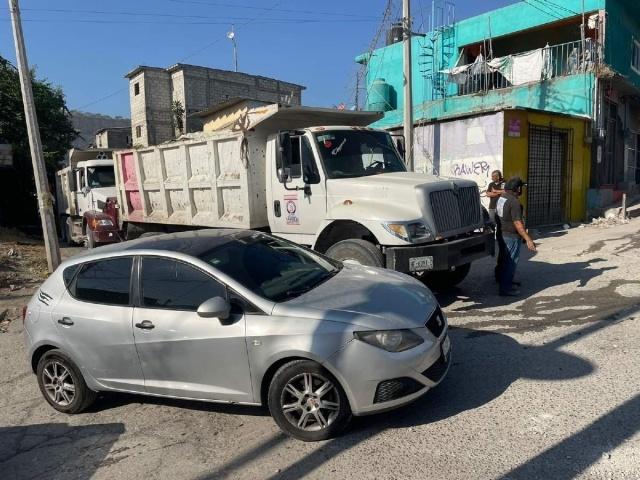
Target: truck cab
<point>86,194</point>
<point>345,191</point>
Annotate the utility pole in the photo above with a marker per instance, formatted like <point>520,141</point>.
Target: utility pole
<point>408,97</point>
<point>232,36</point>
<point>45,204</point>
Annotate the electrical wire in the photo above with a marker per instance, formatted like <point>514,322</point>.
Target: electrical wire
<point>537,7</point>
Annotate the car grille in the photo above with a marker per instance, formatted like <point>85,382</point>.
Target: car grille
<point>396,388</point>
<point>455,209</point>
<point>436,371</point>
<point>436,323</point>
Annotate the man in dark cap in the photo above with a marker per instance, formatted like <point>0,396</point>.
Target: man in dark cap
<point>509,210</point>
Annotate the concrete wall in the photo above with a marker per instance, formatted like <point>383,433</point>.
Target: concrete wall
<point>469,148</point>
<point>196,88</point>
<point>623,25</point>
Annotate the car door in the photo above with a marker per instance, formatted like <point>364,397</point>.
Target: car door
<point>94,319</point>
<point>299,206</point>
<point>181,353</point>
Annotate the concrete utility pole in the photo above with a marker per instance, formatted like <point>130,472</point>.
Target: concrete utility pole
<point>408,97</point>
<point>39,171</point>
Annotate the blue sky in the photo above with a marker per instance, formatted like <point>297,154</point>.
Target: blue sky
<point>86,46</point>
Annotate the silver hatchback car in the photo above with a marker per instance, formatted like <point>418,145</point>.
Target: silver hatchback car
<point>238,317</point>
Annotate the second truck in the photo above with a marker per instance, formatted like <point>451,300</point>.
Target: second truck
<point>317,177</point>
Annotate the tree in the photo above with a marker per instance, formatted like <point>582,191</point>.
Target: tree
<point>17,203</point>
<point>177,118</point>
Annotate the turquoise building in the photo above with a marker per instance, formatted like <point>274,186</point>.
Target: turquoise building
<point>540,89</point>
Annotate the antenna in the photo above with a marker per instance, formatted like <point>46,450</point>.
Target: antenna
<point>231,35</point>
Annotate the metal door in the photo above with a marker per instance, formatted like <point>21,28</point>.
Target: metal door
<point>549,176</point>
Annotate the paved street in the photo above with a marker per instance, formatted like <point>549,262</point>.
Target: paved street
<point>546,387</point>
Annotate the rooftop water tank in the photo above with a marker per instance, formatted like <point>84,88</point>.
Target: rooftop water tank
<point>380,96</point>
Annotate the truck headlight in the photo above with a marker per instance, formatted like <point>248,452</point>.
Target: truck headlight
<point>410,232</point>
<point>390,340</point>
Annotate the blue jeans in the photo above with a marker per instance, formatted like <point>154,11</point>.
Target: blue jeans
<point>509,261</point>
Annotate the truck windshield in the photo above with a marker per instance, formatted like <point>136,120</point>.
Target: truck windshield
<point>357,153</point>
<point>101,177</point>
<point>270,267</point>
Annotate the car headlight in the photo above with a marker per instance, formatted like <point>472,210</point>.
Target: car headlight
<point>105,223</point>
<point>390,340</point>
<point>410,232</point>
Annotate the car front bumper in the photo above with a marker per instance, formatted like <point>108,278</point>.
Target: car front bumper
<point>444,255</point>
<point>376,380</point>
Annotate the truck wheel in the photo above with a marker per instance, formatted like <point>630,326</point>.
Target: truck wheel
<point>447,279</point>
<point>357,251</point>
<point>69,231</point>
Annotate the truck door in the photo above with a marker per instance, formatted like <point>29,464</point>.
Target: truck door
<point>298,206</point>
<point>82,199</point>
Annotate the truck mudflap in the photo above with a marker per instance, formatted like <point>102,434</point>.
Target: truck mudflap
<point>441,256</point>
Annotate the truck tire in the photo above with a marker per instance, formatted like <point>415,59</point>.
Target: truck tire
<point>445,280</point>
<point>357,251</point>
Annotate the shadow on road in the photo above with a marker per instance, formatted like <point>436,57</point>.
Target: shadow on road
<point>484,365</point>
<point>55,450</point>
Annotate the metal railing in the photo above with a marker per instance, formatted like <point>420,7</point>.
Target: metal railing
<point>526,67</point>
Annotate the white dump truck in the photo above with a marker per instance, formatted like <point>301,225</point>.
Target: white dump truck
<point>317,177</point>
<point>86,198</point>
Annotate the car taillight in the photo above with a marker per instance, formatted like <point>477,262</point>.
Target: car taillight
<point>24,313</point>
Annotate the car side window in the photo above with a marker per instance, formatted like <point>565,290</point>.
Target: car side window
<point>174,285</point>
<point>104,281</point>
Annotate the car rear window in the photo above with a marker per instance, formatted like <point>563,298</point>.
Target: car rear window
<point>175,285</point>
<point>104,281</point>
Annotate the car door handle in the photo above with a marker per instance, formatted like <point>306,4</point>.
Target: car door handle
<point>145,325</point>
<point>276,208</point>
<point>66,321</point>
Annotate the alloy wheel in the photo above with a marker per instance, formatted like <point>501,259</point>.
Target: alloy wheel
<point>310,402</point>
<point>58,383</point>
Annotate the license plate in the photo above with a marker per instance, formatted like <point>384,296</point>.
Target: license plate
<point>418,264</point>
<point>446,347</point>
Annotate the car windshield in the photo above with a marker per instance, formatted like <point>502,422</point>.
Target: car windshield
<point>101,177</point>
<point>272,268</point>
<point>357,153</point>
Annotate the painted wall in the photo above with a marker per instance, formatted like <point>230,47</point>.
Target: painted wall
<point>516,152</point>
<point>623,25</point>
<point>387,63</point>
<point>469,148</point>
<point>566,95</point>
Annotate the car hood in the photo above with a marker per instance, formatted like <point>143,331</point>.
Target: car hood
<point>367,297</point>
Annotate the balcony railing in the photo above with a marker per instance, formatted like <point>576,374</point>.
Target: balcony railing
<point>527,67</point>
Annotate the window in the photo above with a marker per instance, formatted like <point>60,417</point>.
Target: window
<point>136,88</point>
<point>98,177</point>
<point>68,274</point>
<point>635,56</point>
<point>138,131</point>
<point>303,163</point>
<point>272,268</point>
<point>104,281</point>
<point>175,285</point>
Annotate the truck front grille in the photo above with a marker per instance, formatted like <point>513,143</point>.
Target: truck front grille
<point>455,209</point>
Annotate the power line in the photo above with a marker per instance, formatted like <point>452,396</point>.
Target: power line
<point>113,94</point>
<point>267,21</point>
<point>557,5</point>
<point>551,14</point>
<point>251,7</point>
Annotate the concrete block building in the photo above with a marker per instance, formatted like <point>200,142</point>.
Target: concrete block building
<point>550,94</point>
<point>163,100</point>
<point>113,137</point>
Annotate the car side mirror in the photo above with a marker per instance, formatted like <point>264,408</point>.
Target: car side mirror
<point>216,307</point>
<point>284,175</point>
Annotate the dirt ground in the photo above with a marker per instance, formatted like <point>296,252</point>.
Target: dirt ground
<point>541,387</point>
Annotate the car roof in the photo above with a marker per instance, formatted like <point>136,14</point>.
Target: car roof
<point>193,243</point>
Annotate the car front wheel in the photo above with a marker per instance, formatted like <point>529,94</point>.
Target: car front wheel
<point>307,402</point>
<point>61,383</point>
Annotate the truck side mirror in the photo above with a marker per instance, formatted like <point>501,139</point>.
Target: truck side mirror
<point>284,175</point>
<point>85,190</point>
<point>284,150</point>
<point>400,147</point>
